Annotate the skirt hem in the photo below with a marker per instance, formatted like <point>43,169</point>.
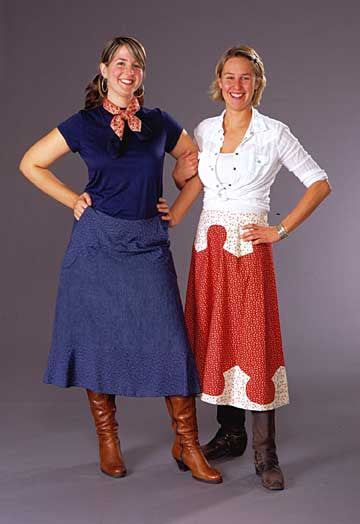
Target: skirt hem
<point>245,405</point>
<point>112,391</point>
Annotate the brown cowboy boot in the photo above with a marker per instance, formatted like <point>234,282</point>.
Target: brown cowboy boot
<point>231,438</point>
<point>266,460</point>
<point>103,409</point>
<point>186,449</point>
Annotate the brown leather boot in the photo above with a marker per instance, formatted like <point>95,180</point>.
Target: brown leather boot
<point>266,460</point>
<point>186,449</point>
<point>103,409</point>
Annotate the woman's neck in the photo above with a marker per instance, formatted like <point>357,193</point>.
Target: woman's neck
<point>237,119</point>
<point>119,101</point>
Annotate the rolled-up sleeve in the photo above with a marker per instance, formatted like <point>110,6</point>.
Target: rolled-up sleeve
<point>198,137</point>
<point>294,157</point>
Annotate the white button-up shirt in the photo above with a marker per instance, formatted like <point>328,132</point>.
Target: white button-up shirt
<point>267,146</point>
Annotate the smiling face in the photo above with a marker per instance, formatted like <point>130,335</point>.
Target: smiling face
<point>238,83</point>
<point>124,76</point>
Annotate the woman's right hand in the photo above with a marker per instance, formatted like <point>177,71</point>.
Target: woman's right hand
<point>81,204</point>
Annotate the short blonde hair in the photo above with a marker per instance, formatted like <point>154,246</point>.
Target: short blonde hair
<point>257,63</point>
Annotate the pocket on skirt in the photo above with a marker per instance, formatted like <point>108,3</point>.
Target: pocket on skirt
<point>83,241</point>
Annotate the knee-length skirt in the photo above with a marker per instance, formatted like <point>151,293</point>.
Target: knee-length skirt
<point>119,325</point>
<point>232,315</point>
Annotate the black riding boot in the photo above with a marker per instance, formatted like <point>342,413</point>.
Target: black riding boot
<point>231,438</point>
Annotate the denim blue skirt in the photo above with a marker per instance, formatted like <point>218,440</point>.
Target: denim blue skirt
<point>119,324</point>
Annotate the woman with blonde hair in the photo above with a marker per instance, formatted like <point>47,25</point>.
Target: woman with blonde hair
<point>231,307</point>
<point>119,327</point>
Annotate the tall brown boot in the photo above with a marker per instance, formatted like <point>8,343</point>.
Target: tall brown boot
<point>266,460</point>
<point>103,409</point>
<point>186,449</point>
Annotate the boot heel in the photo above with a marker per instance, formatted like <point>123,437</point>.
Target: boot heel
<point>182,411</point>
<point>181,465</point>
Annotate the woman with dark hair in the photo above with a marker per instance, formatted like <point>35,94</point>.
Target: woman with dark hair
<point>119,327</point>
<point>231,307</point>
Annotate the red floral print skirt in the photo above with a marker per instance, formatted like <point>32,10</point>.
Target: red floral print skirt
<point>232,315</point>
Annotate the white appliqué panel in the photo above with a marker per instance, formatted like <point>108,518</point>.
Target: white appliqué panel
<point>234,393</point>
<point>233,223</point>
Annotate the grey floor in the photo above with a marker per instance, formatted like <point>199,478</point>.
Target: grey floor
<point>50,473</point>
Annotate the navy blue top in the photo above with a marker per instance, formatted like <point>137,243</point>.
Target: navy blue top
<point>125,176</point>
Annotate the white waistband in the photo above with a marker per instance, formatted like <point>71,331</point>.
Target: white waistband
<point>233,206</point>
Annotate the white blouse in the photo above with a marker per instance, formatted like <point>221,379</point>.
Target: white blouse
<point>241,181</point>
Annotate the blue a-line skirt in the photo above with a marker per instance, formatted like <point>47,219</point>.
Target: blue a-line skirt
<point>119,325</point>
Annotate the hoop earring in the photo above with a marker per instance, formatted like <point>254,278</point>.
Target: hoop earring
<point>142,92</point>
<point>102,86</point>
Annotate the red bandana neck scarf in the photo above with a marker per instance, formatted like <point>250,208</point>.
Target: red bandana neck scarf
<point>117,123</point>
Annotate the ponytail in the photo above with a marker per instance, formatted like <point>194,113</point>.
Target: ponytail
<point>93,97</point>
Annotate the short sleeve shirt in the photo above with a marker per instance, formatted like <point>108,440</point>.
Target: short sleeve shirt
<point>125,176</point>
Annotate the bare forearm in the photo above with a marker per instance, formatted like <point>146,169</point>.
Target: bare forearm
<point>186,154</point>
<point>311,199</point>
<point>48,183</point>
<point>179,177</point>
<point>36,161</point>
<point>185,170</point>
<point>186,198</point>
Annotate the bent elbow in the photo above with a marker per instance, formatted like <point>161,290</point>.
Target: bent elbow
<point>24,166</point>
<point>322,188</point>
<point>327,188</point>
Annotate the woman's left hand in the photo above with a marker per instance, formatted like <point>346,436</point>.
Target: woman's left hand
<point>165,211</point>
<point>260,234</point>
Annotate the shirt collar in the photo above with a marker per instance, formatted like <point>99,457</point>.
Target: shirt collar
<point>257,123</point>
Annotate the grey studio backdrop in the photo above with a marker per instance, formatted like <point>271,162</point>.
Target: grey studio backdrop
<point>49,51</point>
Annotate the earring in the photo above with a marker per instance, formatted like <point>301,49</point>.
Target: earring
<point>102,86</point>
